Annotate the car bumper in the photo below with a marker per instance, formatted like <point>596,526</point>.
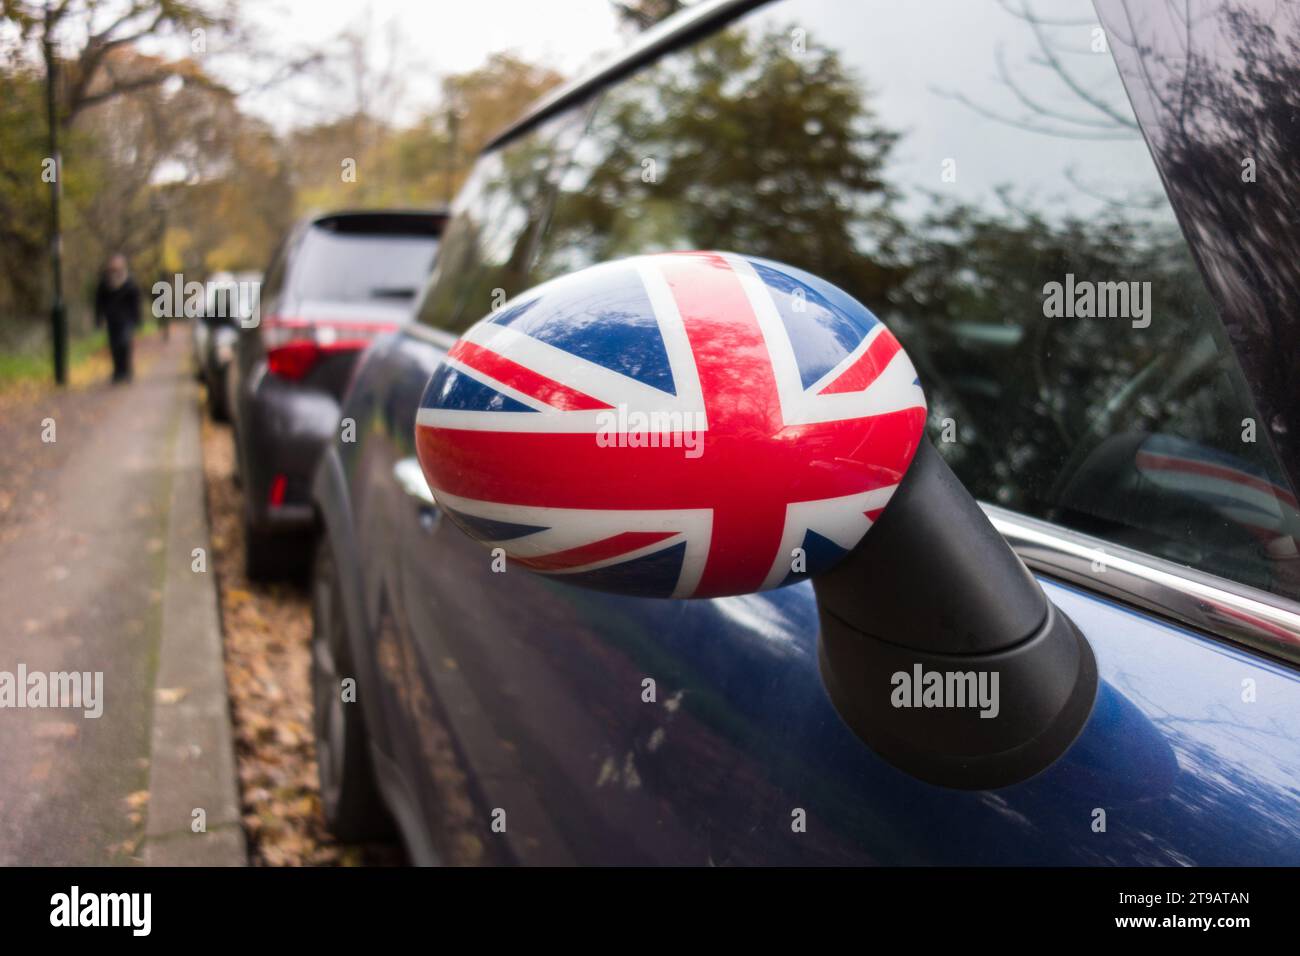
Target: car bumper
<point>283,433</point>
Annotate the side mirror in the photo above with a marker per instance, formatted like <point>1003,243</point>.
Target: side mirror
<point>704,424</point>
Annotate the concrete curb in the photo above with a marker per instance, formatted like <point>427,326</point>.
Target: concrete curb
<point>192,766</point>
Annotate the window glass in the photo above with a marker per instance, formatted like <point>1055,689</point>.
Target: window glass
<point>973,173</point>
<point>354,267</point>
<point>491,239</point>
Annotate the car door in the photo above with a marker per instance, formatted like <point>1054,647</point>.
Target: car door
<point>859,145</point>
<point>495,225</point>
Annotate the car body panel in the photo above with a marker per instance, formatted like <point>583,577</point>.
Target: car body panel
<point>539,684</point>
<point>199,334</point>
<point>221,344</point>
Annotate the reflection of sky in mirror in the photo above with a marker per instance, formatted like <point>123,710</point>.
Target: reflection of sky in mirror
<point>913,58</point>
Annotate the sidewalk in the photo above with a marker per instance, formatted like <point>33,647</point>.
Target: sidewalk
<point>97,578</point>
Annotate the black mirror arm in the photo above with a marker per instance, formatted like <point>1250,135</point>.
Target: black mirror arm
<point>934,589</point>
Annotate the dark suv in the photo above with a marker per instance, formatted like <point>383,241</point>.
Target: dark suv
<point>335,283</point>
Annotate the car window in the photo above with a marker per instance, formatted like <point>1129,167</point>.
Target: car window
<point>973,173</point>
<point>490,242</point>
<point>273,279</point>
<point>361,267</point>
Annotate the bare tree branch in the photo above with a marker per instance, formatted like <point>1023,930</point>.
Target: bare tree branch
<point>1027,125</point>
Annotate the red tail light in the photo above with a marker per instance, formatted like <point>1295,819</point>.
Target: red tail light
<point>295,346</point>
<point>293,360</point>
<point>278,486</point>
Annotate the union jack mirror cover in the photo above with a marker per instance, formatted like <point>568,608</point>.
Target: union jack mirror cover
<point>688,424</point>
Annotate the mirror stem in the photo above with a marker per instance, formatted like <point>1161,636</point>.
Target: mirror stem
<point>940,649</point>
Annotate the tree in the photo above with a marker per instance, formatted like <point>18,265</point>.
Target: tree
<point>480,103</point>
<point>420,165</point>
<point>24,214</point>
<point>643,14</point>
<point>90,72</point>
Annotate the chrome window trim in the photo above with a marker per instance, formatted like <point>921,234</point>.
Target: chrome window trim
<point>1233,612</point>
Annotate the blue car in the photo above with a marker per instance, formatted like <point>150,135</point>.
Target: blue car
<point>840,434</point>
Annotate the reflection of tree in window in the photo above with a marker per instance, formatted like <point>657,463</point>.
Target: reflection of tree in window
<point>492,237</point>
<point>1178,377</point>
<point>1224,88</point>
<point>751,146</point>
<point>746,143</point>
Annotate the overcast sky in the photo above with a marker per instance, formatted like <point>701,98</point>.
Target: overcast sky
<point>433,38</point>
<point>912,70</point>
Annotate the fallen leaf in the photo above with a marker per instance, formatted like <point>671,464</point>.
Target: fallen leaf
<point>171,695</point>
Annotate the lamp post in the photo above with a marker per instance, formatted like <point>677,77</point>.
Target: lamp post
<point>58,314</point>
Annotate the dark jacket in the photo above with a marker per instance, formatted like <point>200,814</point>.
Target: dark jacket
<point>119,307</point>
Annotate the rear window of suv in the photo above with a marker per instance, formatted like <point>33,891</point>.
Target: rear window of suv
<point>361,267</point>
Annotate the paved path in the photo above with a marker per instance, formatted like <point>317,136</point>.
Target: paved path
<point>83,577</point>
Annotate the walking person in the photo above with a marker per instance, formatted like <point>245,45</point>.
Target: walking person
<point>117,305</point>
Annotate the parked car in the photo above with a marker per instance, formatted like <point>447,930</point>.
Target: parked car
<point>229,300</point>
<point>1092,316</point>
<point>335,283</point>
<point>199,335</point>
